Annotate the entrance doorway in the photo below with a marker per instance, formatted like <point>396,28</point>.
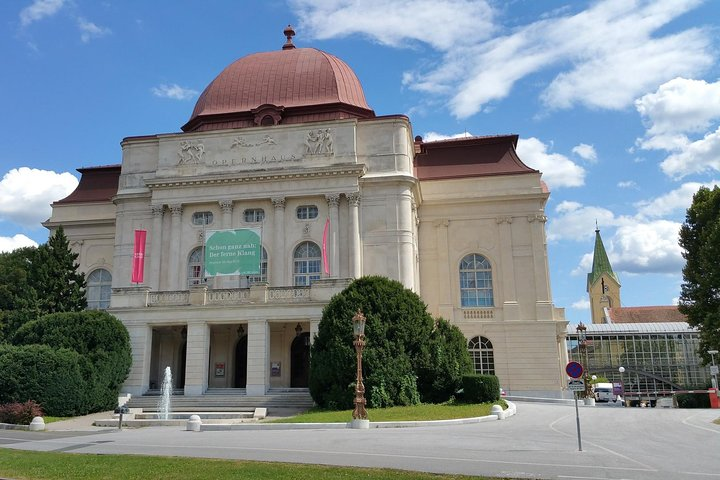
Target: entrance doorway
<point>300,361</point>
<point>241,362</point>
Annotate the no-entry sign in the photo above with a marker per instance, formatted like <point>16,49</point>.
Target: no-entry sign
<point>574,370</point>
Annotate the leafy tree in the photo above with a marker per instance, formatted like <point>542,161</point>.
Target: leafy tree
<point>700,291</point>
<point>55,274</point>
<point>404,353</point>
<point>18,296</point>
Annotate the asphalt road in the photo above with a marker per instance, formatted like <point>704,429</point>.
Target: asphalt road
<point>539,442</point>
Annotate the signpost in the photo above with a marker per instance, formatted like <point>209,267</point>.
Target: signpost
<point>575,371</point>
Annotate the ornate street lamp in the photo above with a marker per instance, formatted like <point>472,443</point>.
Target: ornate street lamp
<point>358,321</point>
<point>622,383</point>
<point>582,342</point>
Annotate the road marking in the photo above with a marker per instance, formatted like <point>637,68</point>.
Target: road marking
<point>686,422</point>
<point>646,467</point>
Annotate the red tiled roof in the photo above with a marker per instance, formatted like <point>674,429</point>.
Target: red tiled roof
<point>659,314</point>
<point>295,79</point>
<point>469,157</point>
<point>97,184</point>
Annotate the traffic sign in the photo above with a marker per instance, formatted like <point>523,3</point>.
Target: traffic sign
<point>576,385</point>
<point>574,370</point>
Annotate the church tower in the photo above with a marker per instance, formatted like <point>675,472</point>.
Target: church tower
<point>603,285</point>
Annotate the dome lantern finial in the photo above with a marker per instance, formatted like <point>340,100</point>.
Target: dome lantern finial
<point>289,32</point>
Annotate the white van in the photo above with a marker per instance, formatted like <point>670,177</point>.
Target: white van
<point>604,392</point>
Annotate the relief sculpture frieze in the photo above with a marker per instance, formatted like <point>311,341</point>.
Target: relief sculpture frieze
<point>190,152</point>
<point>319,142</point>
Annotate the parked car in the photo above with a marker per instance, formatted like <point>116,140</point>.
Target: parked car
<point>604,392</point>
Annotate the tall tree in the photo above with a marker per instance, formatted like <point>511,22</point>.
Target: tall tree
<point>55,276</point>
<point>700,291</point>
<point>18,297</point>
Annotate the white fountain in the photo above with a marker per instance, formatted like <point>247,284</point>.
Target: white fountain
<point>165,395</point>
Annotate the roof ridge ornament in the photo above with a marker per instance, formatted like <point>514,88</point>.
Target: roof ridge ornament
<point>289,32</point>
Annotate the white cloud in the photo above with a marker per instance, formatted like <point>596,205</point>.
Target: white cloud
<point>677,200</point>
<point>695,157</point>
<point>434,136</point>
<point>26,194</point>
<point>174,91</point>
<point>603,57</point>
<point>575,221</point>
<point>679,106</point>
<point>8,244</point>
<point>677,110</point>
<point>557,170</point>
<point>443,24</point>
<point>650,247</point>
<point>582,304</point>
<point>89,30</point>
<point>38,10</point>
<point>586,152</point>
<point>627,184</point>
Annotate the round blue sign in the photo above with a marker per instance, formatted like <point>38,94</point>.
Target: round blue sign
<point>574,370</point>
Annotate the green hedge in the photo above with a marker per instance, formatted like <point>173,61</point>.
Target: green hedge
<point>693,400</point>
<point>55,378</point>
<point>92,344</point>
<point>480,388</point>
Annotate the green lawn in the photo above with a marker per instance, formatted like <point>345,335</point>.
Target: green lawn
<point>21,465</point>
<point>395,414</point>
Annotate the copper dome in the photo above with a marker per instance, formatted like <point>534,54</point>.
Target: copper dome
<point>293,85</point>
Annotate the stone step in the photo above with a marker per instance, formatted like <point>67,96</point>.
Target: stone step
<point>231,403</point>
<point>204,415</point>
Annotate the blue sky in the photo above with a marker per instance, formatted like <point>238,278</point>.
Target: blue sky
<point>617,102</point>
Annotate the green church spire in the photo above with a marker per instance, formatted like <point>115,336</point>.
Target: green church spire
<point>601,263</point>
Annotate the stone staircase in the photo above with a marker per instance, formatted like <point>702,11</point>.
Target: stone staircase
<point>278,402</point>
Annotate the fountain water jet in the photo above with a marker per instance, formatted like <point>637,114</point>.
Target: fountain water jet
<point>165,395</point>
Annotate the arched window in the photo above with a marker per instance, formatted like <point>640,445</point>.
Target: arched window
<point>99,287</point>
<point>481,352</point>
<point>476,282</point>
<point>196,265</point>
<point>306,264</point>
<point>263,270</point>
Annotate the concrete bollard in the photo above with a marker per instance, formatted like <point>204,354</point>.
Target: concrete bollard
<point>37,424</point>
<point>498,410</point>
<point>193,424</point>
<point>360,423</point>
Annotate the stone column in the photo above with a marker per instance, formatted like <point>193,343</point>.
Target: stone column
<point>406,251</point>
<point>507,269</point>
<point>198,358</point>
<point>332,241</point>
<point>156,247</point>
<point>445,302</point>
<point>257,358</point>
<point>277,260</point>
<point>138,379</point>
<point>175,260</point>
<point>354,215</point>
<point>227,207</point>
<point>543,302</point>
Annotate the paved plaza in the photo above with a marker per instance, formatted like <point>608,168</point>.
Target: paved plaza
<point>540,441</point>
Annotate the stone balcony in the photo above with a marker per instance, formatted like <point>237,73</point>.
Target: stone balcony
<point>143,297</point>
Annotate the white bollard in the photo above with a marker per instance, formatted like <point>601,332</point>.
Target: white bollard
<point>360,423</point>
<point>193,424</point>
<point>37,424</point>
<point>498,410</point>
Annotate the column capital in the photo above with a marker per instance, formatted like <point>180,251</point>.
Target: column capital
<point>226,206</point>
<point>353,198</point>
<point>538,217</point>
<point>157,210</point>
<point>333,199</point>
<point>278,202</point>
<point>176,210</point>
<point>441,222</point>
<point>500,220</point>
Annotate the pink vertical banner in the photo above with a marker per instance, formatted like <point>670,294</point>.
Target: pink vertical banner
<point>324,247</point>
<point>138,262</point>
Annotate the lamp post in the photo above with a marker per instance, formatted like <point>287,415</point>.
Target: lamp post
<point>713,369</point>
<point>582,342</point>
<point>360,419</point>
<point>622,383</point>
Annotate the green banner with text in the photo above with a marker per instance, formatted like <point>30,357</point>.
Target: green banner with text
<point>233,252</point>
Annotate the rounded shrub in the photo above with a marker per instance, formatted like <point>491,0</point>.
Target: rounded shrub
<point>54,378</point>
<point>480,388</point>
<point>100,339</point>
<point>404,349</point>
